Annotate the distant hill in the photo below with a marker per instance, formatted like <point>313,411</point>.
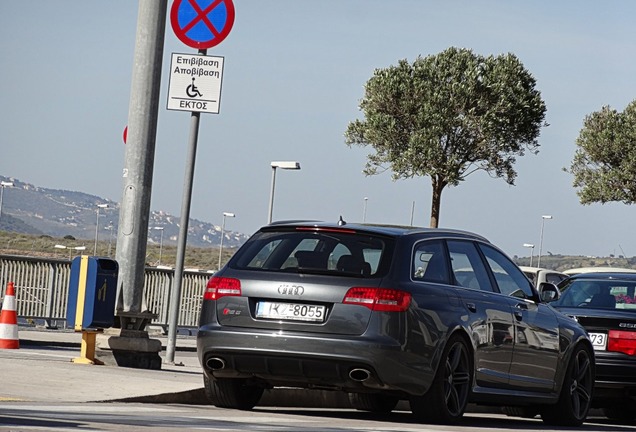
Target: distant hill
<point>30,209</point>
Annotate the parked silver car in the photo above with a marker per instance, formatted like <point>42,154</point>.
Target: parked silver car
<point>436,317</point>
<point>539,275</point>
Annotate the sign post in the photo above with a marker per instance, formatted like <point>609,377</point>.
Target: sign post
<point>195,85</point>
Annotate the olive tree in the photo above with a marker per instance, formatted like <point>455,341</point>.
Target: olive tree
<point>604,164</point>
<point>448,115</point>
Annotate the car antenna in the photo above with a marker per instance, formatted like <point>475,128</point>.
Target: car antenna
<point>341,222</point>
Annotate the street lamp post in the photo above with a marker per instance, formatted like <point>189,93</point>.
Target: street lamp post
<point>110,228</point>
<point>160,242</point>
<point>70,249</point>
<point>531,246</point>
<point>99,207</point>
<point>3,185</point>
<point>543,218</point>
<point>225,215</point>
<point>364,210</point>
<point>289,165</point>
<point>412,212</point>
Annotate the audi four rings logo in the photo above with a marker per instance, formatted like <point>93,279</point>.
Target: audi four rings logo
<point>291,290</point>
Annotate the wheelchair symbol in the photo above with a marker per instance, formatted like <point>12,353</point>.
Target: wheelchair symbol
<point>192,90</point>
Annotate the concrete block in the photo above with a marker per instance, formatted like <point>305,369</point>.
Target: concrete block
<point>128,348</point>
<point>138,344</point>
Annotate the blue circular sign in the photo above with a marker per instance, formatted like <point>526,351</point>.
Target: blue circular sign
<point>202,24</point>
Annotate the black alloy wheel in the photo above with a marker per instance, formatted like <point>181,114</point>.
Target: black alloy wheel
<point>373,402</point>
<point>576,393</point>
<point>446,400</point>
<point>232,393</point>
<point>621,411</point>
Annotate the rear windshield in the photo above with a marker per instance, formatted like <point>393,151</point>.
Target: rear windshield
<point>597,294</point>
<point>343,253</point>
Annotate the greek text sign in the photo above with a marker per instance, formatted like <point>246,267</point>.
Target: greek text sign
<point>195,83</point>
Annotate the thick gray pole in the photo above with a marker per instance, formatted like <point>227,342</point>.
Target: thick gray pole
<point>139,160</point>
<point>175,294</point>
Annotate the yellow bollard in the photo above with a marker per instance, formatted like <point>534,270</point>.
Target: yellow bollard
<point>87,352</point>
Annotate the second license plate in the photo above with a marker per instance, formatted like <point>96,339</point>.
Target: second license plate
<point>599,341</point>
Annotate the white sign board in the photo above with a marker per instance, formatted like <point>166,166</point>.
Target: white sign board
<point>195,83</point>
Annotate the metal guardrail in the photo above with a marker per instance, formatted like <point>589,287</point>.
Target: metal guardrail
<point>41,287</point>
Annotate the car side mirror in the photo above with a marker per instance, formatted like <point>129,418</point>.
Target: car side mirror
<point>548,292</point>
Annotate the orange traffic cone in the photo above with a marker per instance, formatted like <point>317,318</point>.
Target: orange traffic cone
<point>9,320</point>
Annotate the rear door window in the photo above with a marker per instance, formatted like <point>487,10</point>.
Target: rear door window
<point>467,266</point>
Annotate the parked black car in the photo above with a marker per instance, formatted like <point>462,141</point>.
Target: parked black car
<point>605,304</point>
<point>433,316</point>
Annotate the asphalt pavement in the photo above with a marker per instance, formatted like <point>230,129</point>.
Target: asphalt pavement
<point>42,370</point>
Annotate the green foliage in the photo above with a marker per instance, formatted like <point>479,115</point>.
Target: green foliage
<point>448,115</point>
<point>604,164</point>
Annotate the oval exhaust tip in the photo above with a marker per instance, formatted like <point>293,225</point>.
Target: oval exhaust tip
<point>359,374</point>
<point>215,363</point>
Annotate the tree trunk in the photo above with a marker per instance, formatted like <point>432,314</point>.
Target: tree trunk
<point>436,201</point>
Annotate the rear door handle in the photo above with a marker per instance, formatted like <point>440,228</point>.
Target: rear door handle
<point>471,307</point>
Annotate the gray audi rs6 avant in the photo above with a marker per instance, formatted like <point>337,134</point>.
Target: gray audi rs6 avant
<point>436,317</point>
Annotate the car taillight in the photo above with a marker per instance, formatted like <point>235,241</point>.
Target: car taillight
<point>378,299</point>
<point>218,287</point>
<point>622,341</point>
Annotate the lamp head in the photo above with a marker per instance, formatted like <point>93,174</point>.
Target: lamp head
<point>286,165</point>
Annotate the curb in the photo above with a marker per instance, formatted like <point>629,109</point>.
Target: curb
<point>72,344</point>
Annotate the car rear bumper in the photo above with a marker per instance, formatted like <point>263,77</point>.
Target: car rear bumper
<point>615,378</point>
<point>313,361</point>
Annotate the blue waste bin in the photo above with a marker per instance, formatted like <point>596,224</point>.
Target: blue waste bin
<point>92,293</point>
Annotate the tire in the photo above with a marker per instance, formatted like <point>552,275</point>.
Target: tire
<point>446,400</point>
<point>232,393</point>
<point>520,411</point>
<point>373,402</point>
<point>576,392</point>
<point>624,413</point>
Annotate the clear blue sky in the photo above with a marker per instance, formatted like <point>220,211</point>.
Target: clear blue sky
<point>294,75</point>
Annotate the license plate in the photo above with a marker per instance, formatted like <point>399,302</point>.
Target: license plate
<point>599,341</point>
<point>290,311</point>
